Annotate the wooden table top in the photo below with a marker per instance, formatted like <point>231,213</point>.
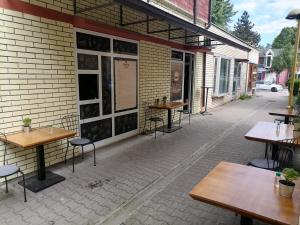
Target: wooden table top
<point>38,136</point>
<point>285,112</point>
<point>267,132</point>
<point>248,191</point>
<point>168,105</point>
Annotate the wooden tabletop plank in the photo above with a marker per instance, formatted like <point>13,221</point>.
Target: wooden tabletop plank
<point>267,132</point>
<point>285,112</point>
<point>38,136</point>
<point>168,105</point>
<point>248,191</point>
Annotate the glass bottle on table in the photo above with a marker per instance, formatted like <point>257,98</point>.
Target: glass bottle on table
<point>277,179</point>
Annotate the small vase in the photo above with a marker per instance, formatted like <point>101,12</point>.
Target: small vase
<point>26,129</point>
<point>286,190</point>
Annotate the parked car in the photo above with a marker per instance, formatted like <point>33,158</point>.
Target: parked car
<point>268,85</point>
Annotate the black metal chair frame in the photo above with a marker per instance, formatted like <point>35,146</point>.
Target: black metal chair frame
<point>71,122</point>
<point>16,172</point>
<point>282,120</point>
<point>280,157</point>
<point>148,111</point>
<point>181,112</point>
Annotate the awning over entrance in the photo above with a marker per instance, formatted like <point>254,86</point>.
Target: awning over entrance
<point>175,23</point>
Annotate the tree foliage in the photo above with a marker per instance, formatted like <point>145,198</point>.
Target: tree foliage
<point>286,36</point>
<point>222,12</point>
<point>284,59</point>
<point>243,30</point>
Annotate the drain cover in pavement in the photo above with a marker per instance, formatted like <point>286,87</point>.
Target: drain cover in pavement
<point>98,183</point>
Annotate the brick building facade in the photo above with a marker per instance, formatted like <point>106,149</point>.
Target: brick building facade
<point>40,77</point>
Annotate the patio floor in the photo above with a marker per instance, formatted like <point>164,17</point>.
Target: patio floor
<point>143,180</point>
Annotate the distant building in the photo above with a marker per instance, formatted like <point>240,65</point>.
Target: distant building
<point>265,72</point>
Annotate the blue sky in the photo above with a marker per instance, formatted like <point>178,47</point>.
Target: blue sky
<point>267,15</point>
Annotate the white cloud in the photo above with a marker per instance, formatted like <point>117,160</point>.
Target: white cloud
<point>283,5</point>
<point>249,6</point>
<point>274,26</point>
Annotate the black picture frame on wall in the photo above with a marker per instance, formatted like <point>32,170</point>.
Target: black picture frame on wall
<point>114,74</point>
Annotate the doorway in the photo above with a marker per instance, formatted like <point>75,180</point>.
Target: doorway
<point>188,80</point>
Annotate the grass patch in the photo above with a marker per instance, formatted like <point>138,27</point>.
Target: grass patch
<point>245,96</point>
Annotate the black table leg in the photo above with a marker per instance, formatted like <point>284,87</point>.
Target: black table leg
<point>275,148</point>
<point>40,160</point>
<point>246,220</point>
<point>43,179</point>
<point>286,120</point>
<point>169,128</point>
<point>169,118</point>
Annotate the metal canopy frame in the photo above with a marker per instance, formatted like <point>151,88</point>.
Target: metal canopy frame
<point>174,23</point>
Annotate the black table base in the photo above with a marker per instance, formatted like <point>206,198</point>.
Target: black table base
<point>246,221</point>
<point>35,185</point>
<point>43,179</point>
<point>169,130</point>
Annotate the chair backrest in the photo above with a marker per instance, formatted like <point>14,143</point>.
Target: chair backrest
<point>70,122</point>
<point>3,135</point>
<point>292,142</point>
<point>285,156</point>
<point>147,109</point>
<point>282,157</point>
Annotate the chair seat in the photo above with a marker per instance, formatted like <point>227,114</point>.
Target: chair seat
<point>156,119</point>
<point>264,163</point>
<point>7,170</point>
<point>80,141</point>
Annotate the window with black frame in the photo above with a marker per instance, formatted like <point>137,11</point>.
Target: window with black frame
<point>96,60</point>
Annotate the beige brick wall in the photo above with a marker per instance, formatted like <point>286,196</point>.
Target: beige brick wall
<point>36,79</point>
<point>198,81</point>
<point>37,71</point>
<point>65,6</point>
<point>154,77</point>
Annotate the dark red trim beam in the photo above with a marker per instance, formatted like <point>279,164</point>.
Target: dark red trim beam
<point>24,7</point>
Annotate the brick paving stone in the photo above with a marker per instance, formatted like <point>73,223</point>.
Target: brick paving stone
<point>92,193</point>
<point>173,201</point>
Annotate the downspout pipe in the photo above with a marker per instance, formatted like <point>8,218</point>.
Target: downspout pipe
<point>209,15</point>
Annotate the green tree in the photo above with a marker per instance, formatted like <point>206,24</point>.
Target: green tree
<point>222,12</point>
<point>243,30</point>
<point>284,59</point>
<point>286,36</point>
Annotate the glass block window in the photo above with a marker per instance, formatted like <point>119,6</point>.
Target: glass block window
<point>89,111</point>
<point>124,47</point>
<point>125,123</point>
<point>87,62</point>
<point>97,130</point>
<point>106,84</point>
<point>177,55</point>
<point>92,42</point>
